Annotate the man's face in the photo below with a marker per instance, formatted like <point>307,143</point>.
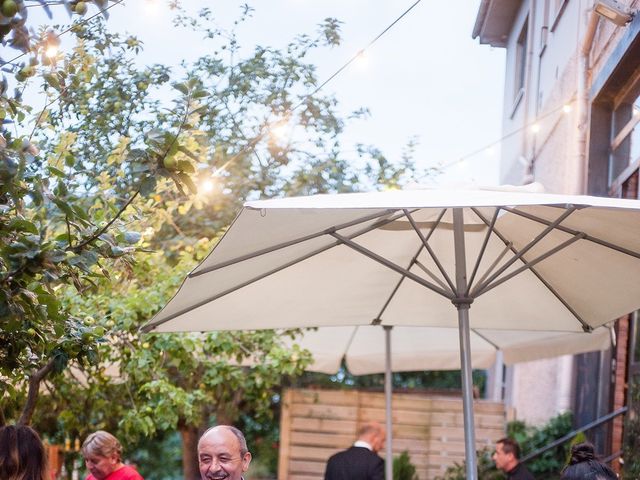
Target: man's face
<point>378,442</point>
<point>219,456</point>
<point>100,466</point>
<point>502,459</point>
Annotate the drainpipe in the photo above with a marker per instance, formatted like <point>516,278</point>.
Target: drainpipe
<point>528,147</point>
<point>578,183</point>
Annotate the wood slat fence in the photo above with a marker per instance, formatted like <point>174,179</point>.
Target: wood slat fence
<point>315,424</point>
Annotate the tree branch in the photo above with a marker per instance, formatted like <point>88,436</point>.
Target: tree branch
<point>96,235</point>
<point>34,390</point>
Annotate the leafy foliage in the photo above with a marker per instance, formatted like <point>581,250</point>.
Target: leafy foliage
<point>101,217</point>
<point>403,469</point>
<point>548,465</point>
<point>631,445</point>
<point>551,462</point>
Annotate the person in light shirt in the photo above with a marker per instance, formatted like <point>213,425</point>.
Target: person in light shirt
<point>223,454</point>
<point>361,461</point>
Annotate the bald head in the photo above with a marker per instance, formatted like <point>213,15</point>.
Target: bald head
<point>223,453</point>
<point>374,434</point>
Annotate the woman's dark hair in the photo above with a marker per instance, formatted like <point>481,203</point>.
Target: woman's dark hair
<point>22,454</point>
<point>584,465</point>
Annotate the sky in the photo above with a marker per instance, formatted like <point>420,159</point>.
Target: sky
<point>426,78</point>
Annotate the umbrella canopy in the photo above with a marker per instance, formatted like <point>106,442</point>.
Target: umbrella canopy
<point>521,260</point>
<point>437,348</point>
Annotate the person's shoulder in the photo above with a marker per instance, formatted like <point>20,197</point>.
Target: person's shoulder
<point>130,473</point>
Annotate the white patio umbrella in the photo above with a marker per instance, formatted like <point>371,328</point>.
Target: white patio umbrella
<point>377,349</point>
<point>522,260</point>
<point>364,351</point>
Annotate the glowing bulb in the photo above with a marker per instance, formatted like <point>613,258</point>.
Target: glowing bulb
<point>51,51</point>
<point>362,59</point>
<point>207,186</point>
<point>535,128</point>
<point>566,108</point>
<point>279,130</point>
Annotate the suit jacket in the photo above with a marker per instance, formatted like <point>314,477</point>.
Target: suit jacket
<point>355,463</point>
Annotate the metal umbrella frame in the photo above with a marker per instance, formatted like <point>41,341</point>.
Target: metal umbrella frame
<point>367,214</point>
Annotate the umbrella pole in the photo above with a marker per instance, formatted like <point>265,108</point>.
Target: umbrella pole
<point>388,464</point>
<point>462,304</point>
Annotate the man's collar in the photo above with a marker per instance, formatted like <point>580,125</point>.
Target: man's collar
<point>363,444</point>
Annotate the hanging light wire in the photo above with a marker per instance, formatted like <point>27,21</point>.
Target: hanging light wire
<point>262,134</point>
<point>68,29</point>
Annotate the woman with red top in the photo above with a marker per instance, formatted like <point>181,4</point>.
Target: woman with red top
<point>102,454</point>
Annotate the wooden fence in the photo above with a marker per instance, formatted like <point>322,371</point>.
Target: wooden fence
<point>315,424</point>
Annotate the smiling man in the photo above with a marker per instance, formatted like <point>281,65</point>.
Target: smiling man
<point>223,454</point>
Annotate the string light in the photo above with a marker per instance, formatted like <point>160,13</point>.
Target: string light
<point>67,30</point>
<point>207,186</point>
<point>51,51</point>
<point>503,138</point>
<point>566,108</point>
<point>252,143</point>
<point>535,128</point>
<point>362,59</point>
<point>280,130</point>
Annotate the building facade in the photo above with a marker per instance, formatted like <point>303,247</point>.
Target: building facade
<point>571,121</point>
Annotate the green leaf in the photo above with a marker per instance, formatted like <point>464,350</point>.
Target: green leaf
<point>23,226</point>
<point>186,179</point>
<point>52,80</point>
<point>148,186</point>
<point>181,87</point>
<point>132,237</point>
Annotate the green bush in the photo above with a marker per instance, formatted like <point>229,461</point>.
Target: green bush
<point>547,466</point>
<point>486,468</point>
<point>631,447</point>
<point>403,469</point>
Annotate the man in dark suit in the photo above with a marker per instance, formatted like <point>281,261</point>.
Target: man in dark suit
<point>361,461</point>
<point>507,458</point>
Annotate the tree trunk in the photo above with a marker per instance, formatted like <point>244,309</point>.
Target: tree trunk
<point>189,435</point>
<point>32,394</point>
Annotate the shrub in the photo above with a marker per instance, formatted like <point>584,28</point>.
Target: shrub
<point>403,469</point>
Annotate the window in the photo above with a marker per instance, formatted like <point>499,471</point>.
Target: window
<point>624,157</point>
<point>556,12</point>
<point>520,64</point>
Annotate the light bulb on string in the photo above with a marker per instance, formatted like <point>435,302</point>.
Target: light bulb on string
<point>51,51</point>
<point>362,59</point>
<point>207,186</point>
<point>535,128</point>
<point>279,130</point>
<point>566,108</point>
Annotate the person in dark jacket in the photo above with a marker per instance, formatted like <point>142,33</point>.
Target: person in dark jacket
<point>361,461</point>
<point>584,465</point>
<point>507,458</point>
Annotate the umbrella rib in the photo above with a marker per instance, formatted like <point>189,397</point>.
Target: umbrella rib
<point>585,326</point>
<point>431,252</point>
<point>380,223</point>
<point>482,250</point>
<point>411,263</point>
<point>527,265</point>
<point>524,250</point>
<point>485,339</point>
<point>288,243</point>
<point>496,262</point>
<point>396,268</point>
<point>433,276</point>
<point>587,237</point>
